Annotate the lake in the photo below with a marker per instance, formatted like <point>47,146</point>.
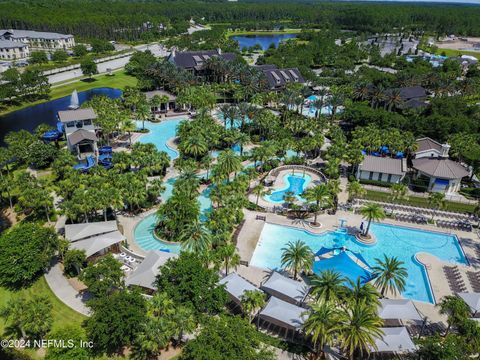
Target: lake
<point>246,41</point>
<point>46,113</point>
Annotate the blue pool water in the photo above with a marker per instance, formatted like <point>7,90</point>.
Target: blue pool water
<point>401,242</point>
<point>293,183</point>
<point>143,232</point>
<point>265,41</point>
<point>160,133</point>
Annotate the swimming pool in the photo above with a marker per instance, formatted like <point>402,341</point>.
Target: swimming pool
<point>294,183</point>
<point>160,133</point>
<point>402,242</point>
<point>143,232</point>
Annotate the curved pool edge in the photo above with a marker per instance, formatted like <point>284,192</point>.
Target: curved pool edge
<point>155,237</point>
<point>287,186</point>
<point>427,276</point>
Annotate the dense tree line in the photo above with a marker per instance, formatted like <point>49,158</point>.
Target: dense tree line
<point>128,19</point>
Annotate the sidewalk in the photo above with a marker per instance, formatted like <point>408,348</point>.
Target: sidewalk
<point>64,291</point>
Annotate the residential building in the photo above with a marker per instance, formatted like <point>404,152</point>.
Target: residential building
<point>80,131</point>
<point>429,148</point>
<point>12,50</point>
<point>413,97</point>
<point>194,61</point>
<point>277,79</point>
<point>39,40</point>
<point>384,169</point>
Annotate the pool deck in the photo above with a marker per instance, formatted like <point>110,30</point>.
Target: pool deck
<point>251,230</point>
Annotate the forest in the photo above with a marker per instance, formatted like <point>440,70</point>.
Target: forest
<point>126,20</point>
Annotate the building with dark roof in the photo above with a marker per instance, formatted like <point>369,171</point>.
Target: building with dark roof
<point>80,131</point>
<point>413,97</point>
<point>194,61</point>
<point>383,169</point>
<point>277,79</point>
<point>39,40</point>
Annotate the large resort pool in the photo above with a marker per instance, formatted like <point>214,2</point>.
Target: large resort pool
<point>402,242</point>
<point>160,133</point>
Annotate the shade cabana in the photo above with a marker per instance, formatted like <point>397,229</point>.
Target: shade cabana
<point>285,288</point>
<point>398,309</point>
<point>75,232</point>
<point>345,266</point>
<point>98,244</point>
<point>472,300</point>
<point>235,286</point>
<point>284,315</point>
<point>145,274</point>
<point>394,340</point>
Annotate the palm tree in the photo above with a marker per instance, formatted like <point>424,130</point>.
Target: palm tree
<point>229,162</point>
<point>128,125</point>
<point>399,192</point>
<point>360,326</point>
<point>372,212</point>
<point>322,324</point>
<point>229,256</point>
<point>195,238</point>
<point>362,292</point>
<point>260,190</point>
<point>322,196</point>
<point>183,321</point>
<point>390,274</point>
<point>456,309</point>
<point>195,146</point>
<point>393,99</point>
<point>297,257</point>
<point>328,286</point>
<point>143,113</point>
<point>355,189</point>
<point>437,201</point>
<point>242,139</point>
<point>252,301</point>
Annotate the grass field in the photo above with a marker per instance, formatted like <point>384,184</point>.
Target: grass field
<point>452,52</point>
<point>62,314</point>
<point>119,80</point>
<point>418,201</point>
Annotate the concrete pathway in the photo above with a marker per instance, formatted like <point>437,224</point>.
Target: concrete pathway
<point>64,291</point>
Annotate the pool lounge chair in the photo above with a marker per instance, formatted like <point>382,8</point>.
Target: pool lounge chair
<point>105,149</point>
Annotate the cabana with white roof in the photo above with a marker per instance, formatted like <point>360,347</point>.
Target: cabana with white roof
<point>98,244</point>
<point>74,232</point>
<point>398,309</point>
<point>145,274</point>
<point>284,315</point>
<point>394,340</point>
<point>472,300</point>
<point>235,286</point>
<point>285,288</point>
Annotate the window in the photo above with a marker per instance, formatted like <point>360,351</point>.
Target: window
<point>70,124</point>
<point>389,179</point>
<point>87,122</point>
<point>379,178</point>
<point>370,175</point>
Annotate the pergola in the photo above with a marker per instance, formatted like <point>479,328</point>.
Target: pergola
<point>235,286</point>
<point>472,300</point>
<point>394,340</point>
<point>284,315</point>
<point>285,288</point>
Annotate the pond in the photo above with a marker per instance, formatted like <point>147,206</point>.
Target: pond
<point>265,41</point>
<point>46,113</point>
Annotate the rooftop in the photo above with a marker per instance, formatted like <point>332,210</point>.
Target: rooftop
<point>77,115</point>
<point>145,274</point>
<point>283,313</point>
<point>280,77</point>
<point>426,144</point>
<point>196,59</point>
<point>81,134</point>
<point>74,232</point>
<point>440,168</point>
<point>33,34</point>
<point>236,286</point>
<point>8,44</point>
<point>279,284</point>
<point>384,165</point>
<point>94,244</point>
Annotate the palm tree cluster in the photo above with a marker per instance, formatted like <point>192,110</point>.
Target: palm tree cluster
<point>377,96</point>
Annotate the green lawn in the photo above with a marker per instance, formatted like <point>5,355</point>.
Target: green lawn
<point>62,314</point>
<point>418,201</point>
<point>451,52</point>
<point>118,80</point>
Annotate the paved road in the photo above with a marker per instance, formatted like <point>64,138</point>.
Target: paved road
<point>156,49</point>
<point>64,291</point>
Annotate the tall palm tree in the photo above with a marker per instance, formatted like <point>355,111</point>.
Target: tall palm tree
<point>393,99</point>
<point>437,201</point>
<point>297,257</point>
<point>242,139</point>
<point>372,212</point>
<point>398,192</point>
<point>322,196</point>
<point>328,286</point>
<point>143,113</point>
<point>355,189</point>
<point>362,292</point>
<point>229,162</point>
<point>194,145</point>
<point>360,326</point>
<point>322,324</point>
<point>183,321</point>
<point>260,190</point>
<point>195,238</point>
<point>229,256</point>
<point>252,301</point>
<point>390,274</point>
<point>456,309</point>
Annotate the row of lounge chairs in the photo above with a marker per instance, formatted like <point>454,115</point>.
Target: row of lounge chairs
<point>454,278</point>
<point>459,225</point>
<point>418,219</point>
<point>474,278</point>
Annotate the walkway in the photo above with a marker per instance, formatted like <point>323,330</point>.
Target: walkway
<point>64,291</point>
